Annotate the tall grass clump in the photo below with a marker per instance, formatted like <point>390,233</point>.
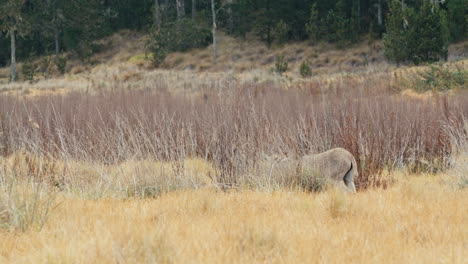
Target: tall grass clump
<point>459,161</point>
<point>235,129</point>
<point>305,69</point>
<point>24,204</point>
<point>281,65</point>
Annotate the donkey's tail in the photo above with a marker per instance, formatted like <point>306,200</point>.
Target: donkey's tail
<point>349,179</point>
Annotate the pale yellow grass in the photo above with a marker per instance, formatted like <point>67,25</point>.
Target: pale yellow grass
<point>418,220</point>
<point>132,178</point>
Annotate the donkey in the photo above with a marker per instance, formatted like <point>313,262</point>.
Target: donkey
<point>336,165</point>
<point>313,172</point>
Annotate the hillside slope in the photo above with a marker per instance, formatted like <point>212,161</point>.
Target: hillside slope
<point>123,62</point>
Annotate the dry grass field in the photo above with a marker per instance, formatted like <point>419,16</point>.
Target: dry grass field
<point>121,163</point>
<point>418,220</point>
<point>66,198</point>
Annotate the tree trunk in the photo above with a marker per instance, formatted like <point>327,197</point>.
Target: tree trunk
<point>180,6</point>
<point>230,19</point>
<point>359,8</point>
<point>359,14</point>
<point>379,13</point>
<point>269,25</point>
<point>57,43</point>
<point>213,11</point>
<point>157,13</point>
<point>194,9</point>
<point>13,55</point>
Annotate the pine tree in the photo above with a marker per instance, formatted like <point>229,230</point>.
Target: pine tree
<point>458,18</point>
<point>84,21</point>
<point>313,26</point>
<point>396,36</point>
<point>180,5</point>
<point>416,35</point>
<point>428,34</point>
<point>337,24</point>
<point>49,20</point>
<point>15,21</point>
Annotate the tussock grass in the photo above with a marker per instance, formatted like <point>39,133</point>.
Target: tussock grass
<point>24,204</point>
<point>91,180</point>
<point>419,220</point>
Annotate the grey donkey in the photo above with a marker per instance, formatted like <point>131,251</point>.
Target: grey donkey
<point>337,165</point>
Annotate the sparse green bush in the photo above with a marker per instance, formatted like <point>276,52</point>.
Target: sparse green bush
<point>143,192</point>
<point>61,63</point>
<point>44,65</point>
<point>281,65</point>
<point>84,51</point>
<point>28,70</point>
<point>157,45</point>
<point>305,69</point>
<point>441,78</point>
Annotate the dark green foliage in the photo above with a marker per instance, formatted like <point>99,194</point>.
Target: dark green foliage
<point>337,27</point>
<point>336,24</point>
<point>313,26</point>
<point>187,34</point>
<point>158,45</point>
<point>428,34</point>
<point>281,65</point>
<point>280,33</point>
<point>416,36</point>
<point>458,19</point>
<point>181,36</point>
<point>5,52</point>
<point>242,18</point>
<point>129,14</point>
<point>395,40</point>
<point>76,24</point>
<point>305,69</point>
<point>441,78</point>
<point>263,26</point>
<point>83,29</point>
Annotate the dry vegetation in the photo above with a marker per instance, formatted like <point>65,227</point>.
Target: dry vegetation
<point>233,130</point>
<point>418,220</point>
<point>150,176</point>
<point>121,164</point>
<point>122,64</point>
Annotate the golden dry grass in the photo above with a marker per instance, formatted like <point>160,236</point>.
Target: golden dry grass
<point>132,178</point>
<point>123,65</point>
<point>418,220</point>
<point>244,55</point>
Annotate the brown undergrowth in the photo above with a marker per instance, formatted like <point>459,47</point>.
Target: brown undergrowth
<point>235,130</point>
